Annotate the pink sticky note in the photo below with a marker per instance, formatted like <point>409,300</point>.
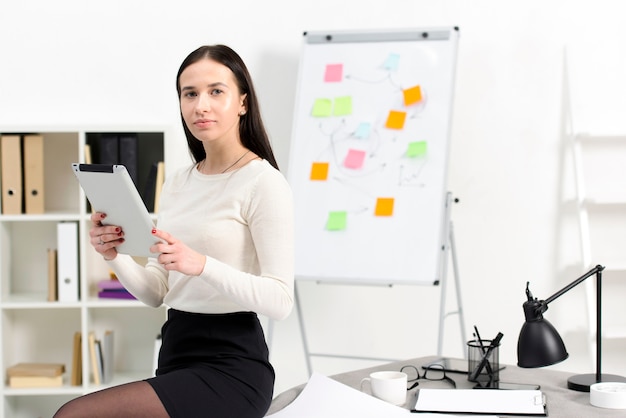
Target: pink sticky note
<point>334,73</point>
<point>354,159</point>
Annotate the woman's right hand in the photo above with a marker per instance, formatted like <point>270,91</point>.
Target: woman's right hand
<point>104,238</point>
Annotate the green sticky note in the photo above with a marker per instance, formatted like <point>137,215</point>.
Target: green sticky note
<point>343,106</point>
<point>322,108</point>
<point>417,149</point>
<point>337,221</point>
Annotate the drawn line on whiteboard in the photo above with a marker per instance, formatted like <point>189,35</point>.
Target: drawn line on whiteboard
<point>354,187</point>
<point>408,179</point>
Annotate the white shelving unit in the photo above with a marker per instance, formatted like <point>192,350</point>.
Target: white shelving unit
<point>601,200</point>
<point>35,330</point>
<point>595,135</point>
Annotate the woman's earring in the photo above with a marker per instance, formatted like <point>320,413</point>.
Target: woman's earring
<point>243,112</point>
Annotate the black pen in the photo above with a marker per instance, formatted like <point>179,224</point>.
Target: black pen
<point>494,343</point>
<point>482,349</point>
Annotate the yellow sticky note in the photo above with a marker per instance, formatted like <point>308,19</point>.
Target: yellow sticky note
<point>395,119</point>
<point>384,206</point>
<point>322,107</point>
<point>412,95</point>
<point>337,220</point>
<point>417,149</point>
<point>319,171</point>
<point>343,106</point>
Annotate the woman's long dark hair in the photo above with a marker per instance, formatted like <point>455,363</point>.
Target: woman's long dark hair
<point>251,130</point>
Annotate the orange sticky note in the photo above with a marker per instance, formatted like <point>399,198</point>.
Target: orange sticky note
<point>395,119</point>
<point>384,206</point>
<point>319,171</point>
<point>412,95</point>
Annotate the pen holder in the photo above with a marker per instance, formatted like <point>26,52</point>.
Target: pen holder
<point>481,353</point>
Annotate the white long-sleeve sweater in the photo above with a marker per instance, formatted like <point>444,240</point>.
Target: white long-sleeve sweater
<point>242,221</point>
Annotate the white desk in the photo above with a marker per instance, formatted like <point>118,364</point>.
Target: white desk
<point>561,401</point>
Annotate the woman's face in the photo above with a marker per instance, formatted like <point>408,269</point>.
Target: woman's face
<point>210,101</point>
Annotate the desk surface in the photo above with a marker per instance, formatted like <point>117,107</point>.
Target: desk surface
<point>562,402</point>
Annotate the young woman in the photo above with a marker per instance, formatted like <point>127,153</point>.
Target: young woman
<point>226,254</point>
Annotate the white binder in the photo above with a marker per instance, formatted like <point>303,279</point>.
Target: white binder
<point>67,261</point>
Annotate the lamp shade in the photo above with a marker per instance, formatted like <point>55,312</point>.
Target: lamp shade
<point>539,345</point>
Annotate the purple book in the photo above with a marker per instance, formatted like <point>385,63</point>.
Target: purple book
<point>109,284</point>
<point>115,294</point>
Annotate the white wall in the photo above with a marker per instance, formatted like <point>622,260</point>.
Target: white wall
<point>76,62</point>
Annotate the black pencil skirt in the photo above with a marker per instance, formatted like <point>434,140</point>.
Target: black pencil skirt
<point>213,366</point>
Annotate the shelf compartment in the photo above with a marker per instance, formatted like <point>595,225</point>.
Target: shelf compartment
<point>24,248</point>
<point>32,330</point>
<point>18,404</point>
<point>135,329</point>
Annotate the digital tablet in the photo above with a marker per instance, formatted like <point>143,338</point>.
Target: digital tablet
<point>110,190</point>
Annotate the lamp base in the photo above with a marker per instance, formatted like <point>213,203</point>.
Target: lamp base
<point>582,382</point>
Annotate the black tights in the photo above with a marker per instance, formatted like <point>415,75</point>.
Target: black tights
<point>136,400</point>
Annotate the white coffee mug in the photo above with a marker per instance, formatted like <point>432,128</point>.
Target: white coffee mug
<point>388,386</point>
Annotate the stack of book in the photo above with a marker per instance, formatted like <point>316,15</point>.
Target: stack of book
<point>31,375</point>
<point>101,357</point>
<point>113,289</point>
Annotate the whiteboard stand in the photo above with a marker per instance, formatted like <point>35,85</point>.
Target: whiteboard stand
<point>448,248</point>
<point>459,303</point>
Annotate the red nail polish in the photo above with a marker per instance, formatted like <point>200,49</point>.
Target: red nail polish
<point>118,229</point>
<point>153,230</point>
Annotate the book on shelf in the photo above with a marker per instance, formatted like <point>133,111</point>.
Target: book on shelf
<point>67,261</point>
<point>76,377</point>
<point>36,369</point>
<point>150,188</point>
<point>153,187</point>
<point>107,356</point>
<point>35,381</point>
<point>155,356</point>
<point>88,159</point>
<point>11,162</point>
<point>101,355</point>
<point>33,163</point>
<point>113,289</point>
<point>52,275</point>
<point>160,179</point>
<point>94,358</point>
<point>128,154</point>
<point>31,375</point>
<point>108,149</point>
<point>115,294</point>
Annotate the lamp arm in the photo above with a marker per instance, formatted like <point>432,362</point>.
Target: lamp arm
<point>597,269</point>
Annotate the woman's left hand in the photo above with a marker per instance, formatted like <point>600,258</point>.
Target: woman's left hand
<point>175,255</point>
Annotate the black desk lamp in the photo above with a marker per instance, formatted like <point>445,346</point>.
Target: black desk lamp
<point>541,345</point>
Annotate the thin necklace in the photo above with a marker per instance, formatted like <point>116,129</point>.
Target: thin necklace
<point>235,163</point>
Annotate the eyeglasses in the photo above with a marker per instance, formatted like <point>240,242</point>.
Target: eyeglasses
<point>432,372</point>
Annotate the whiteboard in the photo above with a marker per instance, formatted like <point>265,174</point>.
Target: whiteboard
<point>369,154</point>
